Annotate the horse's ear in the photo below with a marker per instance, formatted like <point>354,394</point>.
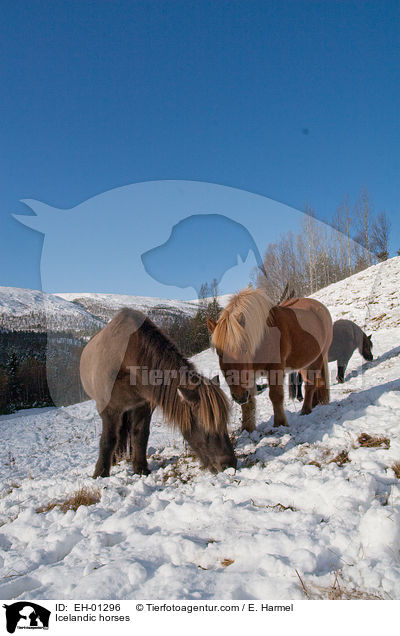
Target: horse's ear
<point>211,325</point>
<point>370,337</point>
<point>215,380</point>
<point>191,396</point>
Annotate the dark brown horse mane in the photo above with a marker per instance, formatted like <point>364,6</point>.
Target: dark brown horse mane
<point>158,352</point>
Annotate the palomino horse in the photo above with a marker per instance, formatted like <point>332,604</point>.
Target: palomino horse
<point>347,337</point>
<point>253,336</point>
<point>129,368</point>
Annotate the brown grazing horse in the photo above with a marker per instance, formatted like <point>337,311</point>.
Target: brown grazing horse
<point>255,337</point>
<point>129,368</point>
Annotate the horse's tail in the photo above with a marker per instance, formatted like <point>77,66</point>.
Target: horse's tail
<point>322,392</point>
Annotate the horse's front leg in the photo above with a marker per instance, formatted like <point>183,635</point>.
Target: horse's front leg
<point>112,421</point>
<point>341,370</point>
<point>295,382</point>
<point>123,448</point>
<point>309,391</point>
<point>299,384</point>
<point>275,381</point>
<point>249,415</point>
<point>140,418</point>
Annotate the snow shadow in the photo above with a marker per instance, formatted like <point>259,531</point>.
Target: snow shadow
<point>312,428</point>
<point>393,353</point>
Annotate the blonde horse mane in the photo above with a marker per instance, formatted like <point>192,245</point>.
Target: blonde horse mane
<point>243,323</point>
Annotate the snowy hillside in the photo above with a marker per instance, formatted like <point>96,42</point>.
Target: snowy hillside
<point>370,298</point>
<point>33,310</point>
<point>106,305</point>
<point>222,300</point>
<point>317,501</point>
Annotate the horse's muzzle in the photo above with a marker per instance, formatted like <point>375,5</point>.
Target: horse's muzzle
<point>224,463</point>
<point>229,463</point>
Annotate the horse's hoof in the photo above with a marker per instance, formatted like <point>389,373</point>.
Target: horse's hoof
<point>283,423</point>
<point>305,411</point>
<point>141,470</point>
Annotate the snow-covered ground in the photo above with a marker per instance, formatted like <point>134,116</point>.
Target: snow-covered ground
<point>288,512</point>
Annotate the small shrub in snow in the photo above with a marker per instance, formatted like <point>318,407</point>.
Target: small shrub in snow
<point>341,458</point>
<point>336,592</point>
<point>371,441</point>
<point>83,497</point>
<point>396,469</point>
<point>226,562</point>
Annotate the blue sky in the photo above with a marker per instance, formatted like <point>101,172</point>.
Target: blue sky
<point>296,101</point>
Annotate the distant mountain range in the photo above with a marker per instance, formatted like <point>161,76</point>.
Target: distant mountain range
<point>371,298</point>
<point>80,314</point>
<point>104,306</point>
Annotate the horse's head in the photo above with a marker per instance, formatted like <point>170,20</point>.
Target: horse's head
<point>239,375</point>
<point>208,433</point>
<point>237,337</point>
<point>367,348</point>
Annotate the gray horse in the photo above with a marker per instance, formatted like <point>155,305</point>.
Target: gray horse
<point>347,337</point>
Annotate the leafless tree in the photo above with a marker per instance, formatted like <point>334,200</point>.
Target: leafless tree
<point>363,212</point>
<point>318,256</point>
<point>309,227</point>
<point>380,236</point>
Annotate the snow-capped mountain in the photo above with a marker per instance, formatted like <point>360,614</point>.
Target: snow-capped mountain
<point>80,313</point>
<point>106,305</point>
<point>33,310</point>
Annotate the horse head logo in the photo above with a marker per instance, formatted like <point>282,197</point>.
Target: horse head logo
<point>27,615</point>
<point>146,239</point>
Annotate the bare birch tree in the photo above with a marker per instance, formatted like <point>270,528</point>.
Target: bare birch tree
<point>363,211</point>
<point>380,236</point>
<point>318,256</point>
<point>309,231</point>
